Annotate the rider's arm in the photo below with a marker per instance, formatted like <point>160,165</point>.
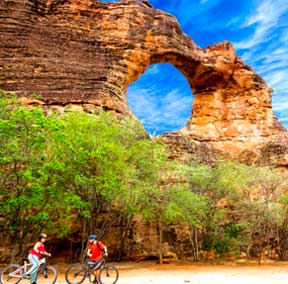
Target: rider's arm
<point>89,252</point>
<point>36,247</point>
<point>102,247</point>
<point>45,253</point>
<point>105,250</point>
<point>39,247</point>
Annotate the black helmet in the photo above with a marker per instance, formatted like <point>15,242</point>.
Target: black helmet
<point>42,235</point>
<point>92,237</point>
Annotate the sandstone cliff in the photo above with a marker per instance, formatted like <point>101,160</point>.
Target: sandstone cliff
<point>83,54</point>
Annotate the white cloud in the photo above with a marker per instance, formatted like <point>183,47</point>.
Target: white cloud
<point>280,51</point>
<point>265,19</point>
<point>152,70</point>
<point>266,50</point>
<point>279,106</point>
<point>276,78</point>
<point>159,110</point>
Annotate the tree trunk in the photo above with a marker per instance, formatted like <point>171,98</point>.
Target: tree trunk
<point>196,244</point>
<point>124,238</point>
<point>191,237</point>
<point>14,253</point>
<point>71,251</point>
<point>260,255</point>
<point>84,240</point>
<point>160,241</point>
<point>283,244</point>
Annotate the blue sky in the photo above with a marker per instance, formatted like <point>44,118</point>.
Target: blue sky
<point>258,29</point>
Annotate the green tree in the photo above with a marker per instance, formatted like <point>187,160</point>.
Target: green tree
<point>110,164</point>
<point>260,209</point>
<point>25,202</point>
<point>219,184</point>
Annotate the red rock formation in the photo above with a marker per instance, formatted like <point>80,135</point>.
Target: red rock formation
<point>86,53</point>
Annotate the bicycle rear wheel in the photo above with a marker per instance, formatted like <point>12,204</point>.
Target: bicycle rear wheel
<point>9,275</point>
<point>47,275</point>
<point>108,274</point>
<point>75,274</point>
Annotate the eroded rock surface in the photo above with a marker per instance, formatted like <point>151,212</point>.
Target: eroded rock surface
<point>83,54</point>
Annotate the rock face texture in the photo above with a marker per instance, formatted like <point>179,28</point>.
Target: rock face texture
<point>83,54</point>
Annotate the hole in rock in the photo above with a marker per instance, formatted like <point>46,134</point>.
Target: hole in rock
<point>161,99</point>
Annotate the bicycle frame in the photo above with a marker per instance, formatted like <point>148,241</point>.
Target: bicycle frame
<point>100,264</point>
<point>19,272</point>
<point>81,271</point>
<point>88,270</point>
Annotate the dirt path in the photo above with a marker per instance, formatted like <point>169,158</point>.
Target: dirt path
<point>151,273</point>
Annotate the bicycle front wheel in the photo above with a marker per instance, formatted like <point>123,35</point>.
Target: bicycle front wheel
<point>108,274</point>
<point>11,274</point>
<point>47,275</point>
<point>75,274</point>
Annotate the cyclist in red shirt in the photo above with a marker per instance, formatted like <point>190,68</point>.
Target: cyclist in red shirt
<point>95,249</point>
<point>34,257</point>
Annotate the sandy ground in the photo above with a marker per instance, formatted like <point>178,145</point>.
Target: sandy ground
<point>151,273</point>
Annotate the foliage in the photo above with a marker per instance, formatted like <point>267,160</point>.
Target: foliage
<point>73,172</point>
<point>59,169</point>
<point>28,203</point>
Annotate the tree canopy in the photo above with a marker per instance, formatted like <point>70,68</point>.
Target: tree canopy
<point>69,173</point>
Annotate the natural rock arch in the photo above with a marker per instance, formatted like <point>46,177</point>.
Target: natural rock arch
<point>86,53</point>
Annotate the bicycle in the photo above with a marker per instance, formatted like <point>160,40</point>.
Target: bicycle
<point>14,273</point>
<point>77,272</point>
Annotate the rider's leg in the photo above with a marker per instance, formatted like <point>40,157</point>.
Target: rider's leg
<point>96,271</point>
<point>33,270</point>
<point>96,275</point>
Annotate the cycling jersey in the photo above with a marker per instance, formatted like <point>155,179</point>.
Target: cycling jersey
<point>40,249</point>
<point>96,251</point>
